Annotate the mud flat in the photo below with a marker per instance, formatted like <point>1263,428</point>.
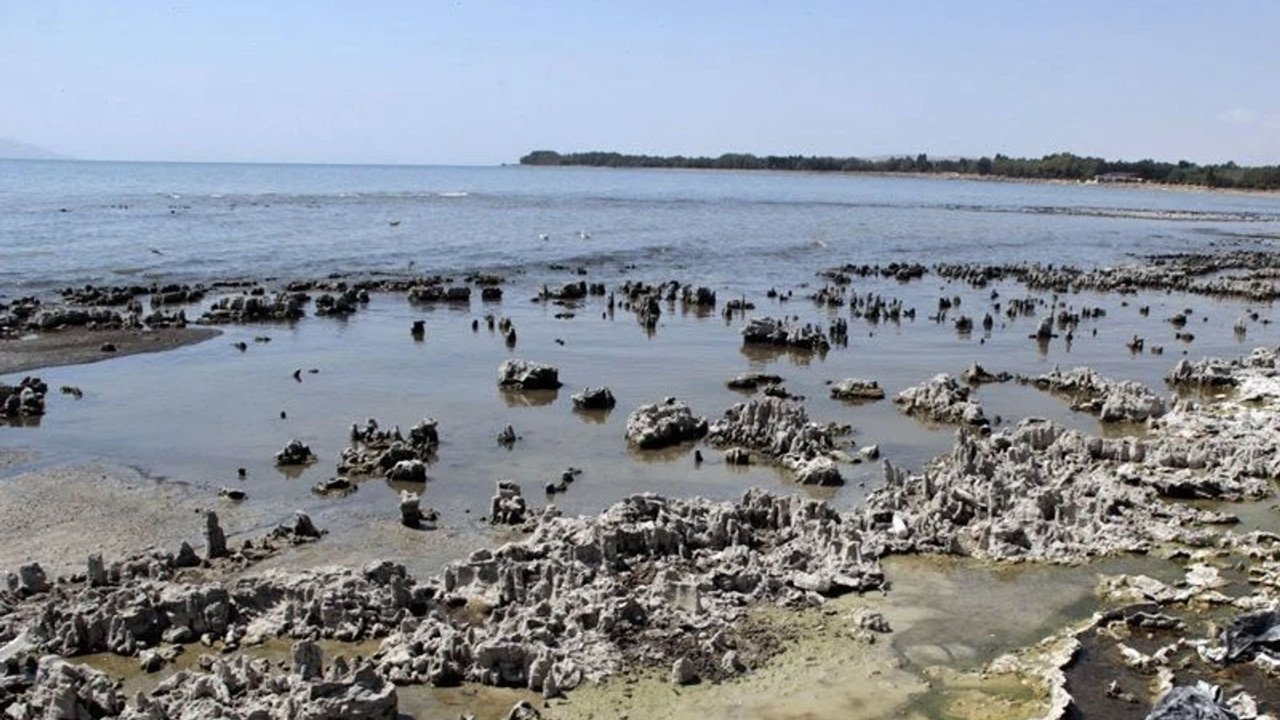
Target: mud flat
<point>59,516</point>
<point>75,346</point>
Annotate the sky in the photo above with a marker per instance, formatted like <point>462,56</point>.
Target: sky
<point>481,83</point>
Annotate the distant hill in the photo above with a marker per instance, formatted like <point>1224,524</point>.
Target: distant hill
<point>14,150</point>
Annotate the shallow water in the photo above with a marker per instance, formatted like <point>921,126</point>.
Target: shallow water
<point>69,223</point>
<point>197,414</point>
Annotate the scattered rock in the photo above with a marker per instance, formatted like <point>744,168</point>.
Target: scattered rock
<point>768,331</point>
<point>525,375</point>
<point>600,398</point>
<point>295,452</point>
<point>942,399</point>
<point>664,424</point>
<point>857,390</point>
<point>752,380</point>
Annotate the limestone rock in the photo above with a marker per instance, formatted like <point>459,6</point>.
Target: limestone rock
<point>525,375</point>
<point>660,425</point>
<point>857,390</point>
<point>600,398</point>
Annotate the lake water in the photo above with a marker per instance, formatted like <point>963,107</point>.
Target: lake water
<point>196,414</point>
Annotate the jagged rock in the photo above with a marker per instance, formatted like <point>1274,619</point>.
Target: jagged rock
<point>508,436</point>
<point>768,331</point>
<point>1194,702</point>
<point>737,456</point>
<point>376,451</point>
<point>253,308</point>
<point>64,690</point>
<point>308,660</point>
<point>413,470</point>
<point>31,580</point>
<point>342,304</point>
<point>1251,633</point>
<point>1217,372</point>
<point>780,430</point>
<point>857,389</point>
<point>215,540</point>
<point>600,398</point>
<point>975,374</point>
<point>26,399</point>
<point>96,572</point>
<point>295,452</point>
<point>942,399</point>
<point>410,510</point>
<point>243,687</point>
<point>525,375</point>
<point>1111,401</point>
<point>683,672</point>
<point>873,621</point>
<point>187,557</point>
<point>1033,491</point>
<point>660,425</point>
<point>303,527</point>
<point>524,711</point>
<point>507,506</point>
<point>816,471</point>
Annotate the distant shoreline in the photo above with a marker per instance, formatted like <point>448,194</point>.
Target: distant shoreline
<point>1063,167</point>
<point>1170,187</point>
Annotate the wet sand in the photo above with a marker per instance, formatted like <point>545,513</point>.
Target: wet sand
<point>58,516</point>
<point>79,346</point>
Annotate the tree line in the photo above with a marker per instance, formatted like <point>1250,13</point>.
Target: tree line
<point>1059,166</point>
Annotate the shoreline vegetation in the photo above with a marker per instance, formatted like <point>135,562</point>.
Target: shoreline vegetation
<point>1056,167</point>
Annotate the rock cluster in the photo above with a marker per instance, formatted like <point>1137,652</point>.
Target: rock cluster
<point>436,292</point>
<point>1110,400</point>
<point>295,452</point>
<point>942,399</point>
<point>55,318</point>
<point>342,304</point>
<point>525,375</point>
<point>507,506</point>
<point>255,308</point>
<point>252,688</point>
<point>781,431</point>
<point>658,425</point>
<point>26,399</point>
<point>377,452</point>
<point>1034,491</point>
<point>577,591</point>
<point>138,602</point>
<point>975,374</point>
<point>1218,372</point>
<point>1198,273</point>
<point>769,331</point>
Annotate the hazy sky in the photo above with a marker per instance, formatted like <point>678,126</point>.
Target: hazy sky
<point>484,82</point>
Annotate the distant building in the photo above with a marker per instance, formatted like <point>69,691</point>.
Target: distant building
<point>1119,177</point>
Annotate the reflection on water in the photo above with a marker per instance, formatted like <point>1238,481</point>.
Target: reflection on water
<point>527,398</point>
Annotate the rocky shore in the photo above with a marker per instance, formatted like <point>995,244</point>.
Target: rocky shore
<point>673,583</point>
<point>659,581</point>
